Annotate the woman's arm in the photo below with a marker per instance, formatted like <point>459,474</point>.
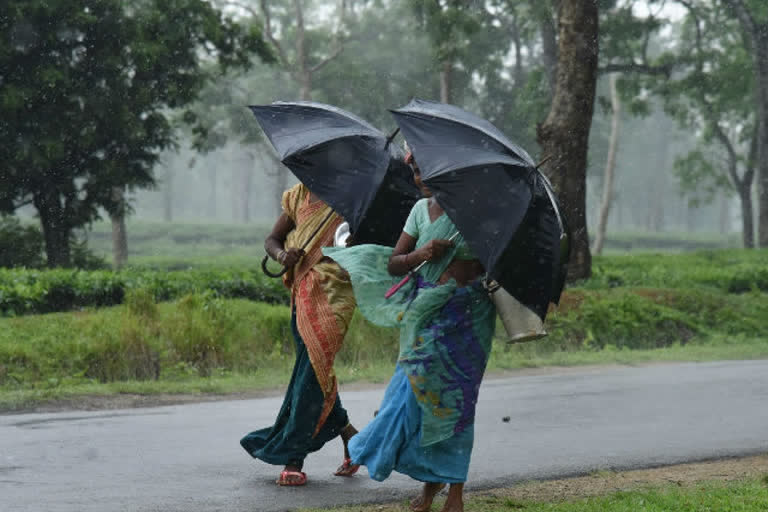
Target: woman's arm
<point>274,244</point>
<point>404,257</point>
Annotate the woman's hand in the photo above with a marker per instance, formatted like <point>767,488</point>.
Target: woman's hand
<point>290,257</point>
<point>433,250</point>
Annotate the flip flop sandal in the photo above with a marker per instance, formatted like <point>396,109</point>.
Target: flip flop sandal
<point>347,468</point>
<point>292,479</point>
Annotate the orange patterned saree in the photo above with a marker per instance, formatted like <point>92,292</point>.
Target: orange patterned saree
<point>321,291</point>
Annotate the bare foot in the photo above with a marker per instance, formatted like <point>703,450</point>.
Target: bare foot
<point>453,507</point>
<point>347,434</point>
<point>423,503</point>
<point>455,501</point>
<point>347,468</point>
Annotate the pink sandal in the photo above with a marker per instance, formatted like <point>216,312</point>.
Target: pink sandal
<point>292,478</point>
<point>347,468</point>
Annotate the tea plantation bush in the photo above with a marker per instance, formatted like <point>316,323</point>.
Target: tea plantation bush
<point>24,291</point>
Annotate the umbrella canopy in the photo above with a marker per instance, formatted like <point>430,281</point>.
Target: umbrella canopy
<point>491,189</point>
<point>346,162</point>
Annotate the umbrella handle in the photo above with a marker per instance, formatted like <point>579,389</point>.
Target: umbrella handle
<point>266,270</point>
<point>410,274</point>
<point>314,233</point>
<point>396,287</point>
<point>391,137</point>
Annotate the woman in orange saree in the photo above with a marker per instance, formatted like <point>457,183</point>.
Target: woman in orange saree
<point>322,304</point>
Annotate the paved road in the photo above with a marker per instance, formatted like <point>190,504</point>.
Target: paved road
<point>187,458</point>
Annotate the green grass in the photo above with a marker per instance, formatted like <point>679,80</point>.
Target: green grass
<point>184,245</point>
<point>743,496</point>
<point>699,306</point>
<point>634,240</point>
<point>205,344</point>
<point>728,270</point>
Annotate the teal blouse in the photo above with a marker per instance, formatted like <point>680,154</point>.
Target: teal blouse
<point>419,220</point>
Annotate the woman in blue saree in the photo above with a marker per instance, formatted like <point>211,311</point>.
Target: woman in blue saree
<point>425,425</point>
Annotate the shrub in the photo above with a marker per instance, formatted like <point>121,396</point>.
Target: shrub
<point>200,331</point>
<point>25,291</point>
<point>20,246</point>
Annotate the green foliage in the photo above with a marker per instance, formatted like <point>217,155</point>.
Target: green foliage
<point>196,331</point>
<point>141,341</point>
<point>177,239</point>
<point>44,291</point>
<point>20,246</point>
<point>633,305</point>
<point>728,271</point>
<point>712,92</point>
<point>624,320</point>
<point>84,96</point>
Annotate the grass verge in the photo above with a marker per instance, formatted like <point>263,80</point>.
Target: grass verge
<point>732,485</point>
<point>635,310</point>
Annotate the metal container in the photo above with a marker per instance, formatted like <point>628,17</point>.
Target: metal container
<point>341,235</point>
<point>521,323</point>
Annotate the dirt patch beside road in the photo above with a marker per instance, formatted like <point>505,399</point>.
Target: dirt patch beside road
<point>600,483</point>
<point>605,482</point>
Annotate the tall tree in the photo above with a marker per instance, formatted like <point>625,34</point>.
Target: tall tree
<point>712,92</point>
<point>564,135</point>
<point>610,167</point>
<point>84,94</point>
<point>450,25</point>
<point>302,47</point>
<point>753,16</point>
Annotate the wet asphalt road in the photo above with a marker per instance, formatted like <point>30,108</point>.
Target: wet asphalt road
<point>187,457</point>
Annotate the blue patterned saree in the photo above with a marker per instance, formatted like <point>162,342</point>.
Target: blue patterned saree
<point>445,341</point>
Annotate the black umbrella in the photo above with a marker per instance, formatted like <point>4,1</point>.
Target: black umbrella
<point>491,189</point>
<point>346,162</point>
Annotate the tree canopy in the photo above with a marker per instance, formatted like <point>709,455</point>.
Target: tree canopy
<point>85,90</point>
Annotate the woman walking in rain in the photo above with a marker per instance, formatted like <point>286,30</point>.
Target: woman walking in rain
<point>424,427</point>
<point>322,303</point>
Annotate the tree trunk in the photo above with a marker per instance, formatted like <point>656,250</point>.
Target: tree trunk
<point>56,230</point>
<point>517,41</point>
<point>119,233</point>
<point>305,86</point>
<point>446,72</point>
<point>245,190</point>
<point>725,214</point>
<point>302,63</point>
<point>235,193</point>
<point>281,177</point>
<point>761,55</point>
<point>619,214</point>
<point>549,43</point>
<point>752,24</point>
<point>213,180</point>
<point>610,166</point>
<point>564,136</point>
<point>690,218</point>
<point>168,195</point>
<point>747,215</point>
